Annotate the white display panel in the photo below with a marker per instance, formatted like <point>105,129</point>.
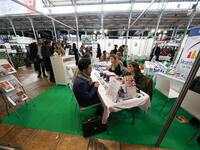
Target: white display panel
<point>190,51</point>
<point>136,47</point>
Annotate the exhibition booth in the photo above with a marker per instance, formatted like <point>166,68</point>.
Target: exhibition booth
<point>161,116</point>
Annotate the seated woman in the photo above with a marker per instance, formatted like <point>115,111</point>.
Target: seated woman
<point>84,89</point>
<point>134,69</point>
<point>116,65</point>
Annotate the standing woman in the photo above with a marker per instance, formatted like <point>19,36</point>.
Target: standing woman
<point>98,51</point>
<point>116,65</point>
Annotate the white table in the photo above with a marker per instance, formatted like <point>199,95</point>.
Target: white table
<point>169,85</point>
<point>109,106</point>
<point>149,67</point>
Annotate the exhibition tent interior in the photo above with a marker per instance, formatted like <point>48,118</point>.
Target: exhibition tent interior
<point>36,113</point>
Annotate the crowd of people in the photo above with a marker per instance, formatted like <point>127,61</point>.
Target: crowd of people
<point>41,51</point>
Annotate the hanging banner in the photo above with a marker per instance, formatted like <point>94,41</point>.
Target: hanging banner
<point>190,51</point>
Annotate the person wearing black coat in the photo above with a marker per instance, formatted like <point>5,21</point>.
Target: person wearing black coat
<point>84,89</point>
<point>46,53</point>
<point>75,51</point>
<point>114,51</point>
<point>155,52</point>
<point>37,56</point>
<point>33,54</point>
<point>98,51</point>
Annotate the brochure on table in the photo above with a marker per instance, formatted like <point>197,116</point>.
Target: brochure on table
<point>189,53</point>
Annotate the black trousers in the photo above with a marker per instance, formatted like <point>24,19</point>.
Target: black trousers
<point>157,57</point>
<point>41,65</point>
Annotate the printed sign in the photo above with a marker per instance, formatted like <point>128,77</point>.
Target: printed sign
<point>190,52</point>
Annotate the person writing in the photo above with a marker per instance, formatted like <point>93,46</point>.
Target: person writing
<point>84,89</point>
<point>133,68</point>
<point>116,65</point>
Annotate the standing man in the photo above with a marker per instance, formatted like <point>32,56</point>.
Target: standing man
<point>114,51</point>
<point>155,52</point>
<point>75,51</point>
<point>45,50</point>
<point>40,61</point>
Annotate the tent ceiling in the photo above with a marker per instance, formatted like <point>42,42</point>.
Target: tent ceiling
<point>90,2</point>
<point>112,21</point>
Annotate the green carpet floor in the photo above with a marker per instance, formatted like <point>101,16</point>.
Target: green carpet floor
<point>54,110</point>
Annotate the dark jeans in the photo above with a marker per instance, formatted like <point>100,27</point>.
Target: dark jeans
<point>157,57</point>
<point>41,65</point>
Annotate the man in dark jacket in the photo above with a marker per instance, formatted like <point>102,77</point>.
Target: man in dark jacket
<point>36,55</point>
<point>114,51</point>
<point>75,51</point>
<point>155,52</point>
<point>84,89</point>
<point>46,53</point>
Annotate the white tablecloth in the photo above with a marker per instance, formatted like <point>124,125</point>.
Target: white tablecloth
<point>109,106</point>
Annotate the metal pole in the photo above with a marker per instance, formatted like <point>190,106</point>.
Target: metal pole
<point>141,14</point>
<point>31,21</point>
<point>76,18</point>
<point>159,18</point>
<point>192,16</point>
<point>54,29</point>
<point>52,34</point>
<point>13,27</point>
<point>33,9</point>
<point>102,19</point>
<point>22,33</point>
<point>68,34</point>
<point>129,22</point>
<point>8,33</point>
<point>190,21</point>
<point>179,100</point>
<point>173,33</point>
<point>36,31</point>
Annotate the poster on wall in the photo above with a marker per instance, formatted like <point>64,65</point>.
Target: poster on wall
<point>190,51</point>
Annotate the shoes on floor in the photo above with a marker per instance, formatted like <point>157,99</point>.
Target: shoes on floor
<point>39,76</point>
<point>45,76</point>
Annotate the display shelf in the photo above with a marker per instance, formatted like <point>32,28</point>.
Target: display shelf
<point>6,68</point>
<point>11,89</point>
<point>15,97</point>
<point>59,65</point>
<point>2,50</point>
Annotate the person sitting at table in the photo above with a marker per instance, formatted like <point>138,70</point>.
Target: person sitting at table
<point>84,89</point>
<point>116,65</point>
<point>142,82</point>
<point>104,56</point>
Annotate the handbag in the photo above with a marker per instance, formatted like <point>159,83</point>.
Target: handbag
<point>93,126</point>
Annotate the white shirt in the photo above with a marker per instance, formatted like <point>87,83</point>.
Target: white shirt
<point>39,53</point>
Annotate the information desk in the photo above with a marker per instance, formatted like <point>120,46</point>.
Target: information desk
<point>109,106</point>
<point>169,85</point>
